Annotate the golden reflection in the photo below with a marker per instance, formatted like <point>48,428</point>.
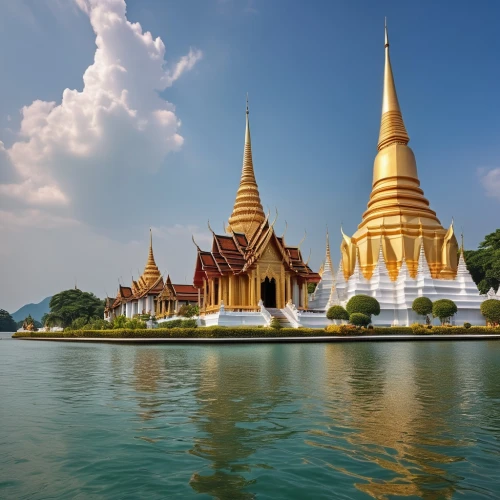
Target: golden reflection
<point>233,417</point>
<point>385,418</point>
<point>148,372</point>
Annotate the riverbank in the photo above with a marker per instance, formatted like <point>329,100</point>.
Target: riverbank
<point>241,335</point>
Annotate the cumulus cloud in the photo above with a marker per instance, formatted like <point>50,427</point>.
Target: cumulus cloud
<point>116,124</point>
<point>490,179</point>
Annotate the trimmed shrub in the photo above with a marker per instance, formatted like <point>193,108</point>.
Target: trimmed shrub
<point>422,306</point>
<point>247,332</point>
<point>359,319</point>
<point>363,304</point>
<point>467,325</point>
<point>337,312</point>
<point>342,330</point>
<point>444,309</point>
<point>490,309</point>
<point>275,324</point>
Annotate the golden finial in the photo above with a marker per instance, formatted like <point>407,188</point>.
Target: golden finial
<point>306,263</point>
<point>284,232</point>
<point>303,239</point>
<point>196,244</point>
<point>275,218</point>
<point>210,227</point>
<point>392,127</point>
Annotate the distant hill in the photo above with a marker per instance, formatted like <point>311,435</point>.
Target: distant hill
<point>36,310</point>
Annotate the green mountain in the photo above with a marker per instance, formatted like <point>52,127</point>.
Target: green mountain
<point>36,310</point>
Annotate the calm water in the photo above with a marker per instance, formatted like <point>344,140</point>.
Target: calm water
<point>386,420</point>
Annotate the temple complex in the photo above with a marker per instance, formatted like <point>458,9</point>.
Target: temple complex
<point>250,273</point>
<point>150,294</point>
<point>400,250</point>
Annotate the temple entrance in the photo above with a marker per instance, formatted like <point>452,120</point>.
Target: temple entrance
<point>268,292</point>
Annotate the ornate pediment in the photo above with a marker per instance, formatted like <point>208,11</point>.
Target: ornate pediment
<point>271,253</point>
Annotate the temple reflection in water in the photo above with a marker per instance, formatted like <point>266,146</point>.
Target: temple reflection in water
<point>381,420</point>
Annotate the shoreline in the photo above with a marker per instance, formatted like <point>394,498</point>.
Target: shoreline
<point>260,340</point>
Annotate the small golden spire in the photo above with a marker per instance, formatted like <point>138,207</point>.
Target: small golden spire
<point>247,214</point>
<point>392,127</point>
<point>151,272</point>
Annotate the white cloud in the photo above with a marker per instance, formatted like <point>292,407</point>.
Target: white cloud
<point>490,179</point>
<point>117,122</point>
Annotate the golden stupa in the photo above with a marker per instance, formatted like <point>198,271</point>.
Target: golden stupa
<point>398,215</point>
<point>151,273</point>
<point>247,215</point>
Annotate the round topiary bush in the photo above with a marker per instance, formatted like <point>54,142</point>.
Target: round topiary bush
<point>359,319</point>
<point>363,304</point>
<point>467,325</point>
<point>337,312</point>
<point>444,309</point>
<point>422,306</point>
<point>490,309</point>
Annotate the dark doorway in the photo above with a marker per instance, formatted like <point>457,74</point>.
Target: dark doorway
<point>268,292</point>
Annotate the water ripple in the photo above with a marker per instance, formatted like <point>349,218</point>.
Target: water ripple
<point>380,421</point>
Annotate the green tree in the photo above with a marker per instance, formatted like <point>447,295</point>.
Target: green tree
<point>422,306</point>
<point>119,321</point>
<point>44,319</point>
<point>135,324</point>
<point>71,304</point>
<point>337,312</point>
<point>490,309</point>
<point>484,263</point>
<point>444,309</point>
<point>7,324</point>
<point>359,319</point>
<point>188,310</point>
<point>363,304</point>
<point>311,287</point>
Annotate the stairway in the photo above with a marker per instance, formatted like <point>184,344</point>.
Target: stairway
<point>278,313</point>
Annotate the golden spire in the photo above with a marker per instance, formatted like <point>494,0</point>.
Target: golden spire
<point>247,214</point>
<point>151,272</point>
<point>392,127</point>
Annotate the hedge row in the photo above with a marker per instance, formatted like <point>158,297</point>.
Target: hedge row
<point>240,332</point>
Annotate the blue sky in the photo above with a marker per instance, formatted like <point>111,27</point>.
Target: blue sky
<point>80,187</point>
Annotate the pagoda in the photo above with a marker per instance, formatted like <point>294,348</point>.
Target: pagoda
<point>400,250</point>
<point>250,273</point>
<point>150,294</point>
<point>325,294</point>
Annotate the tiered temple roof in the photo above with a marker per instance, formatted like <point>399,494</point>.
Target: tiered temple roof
<point>233,254</point>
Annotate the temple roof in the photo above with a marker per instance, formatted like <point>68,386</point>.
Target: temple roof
<point>235,255</point>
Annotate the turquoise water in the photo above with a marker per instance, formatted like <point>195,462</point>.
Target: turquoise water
<point>368,420</point>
